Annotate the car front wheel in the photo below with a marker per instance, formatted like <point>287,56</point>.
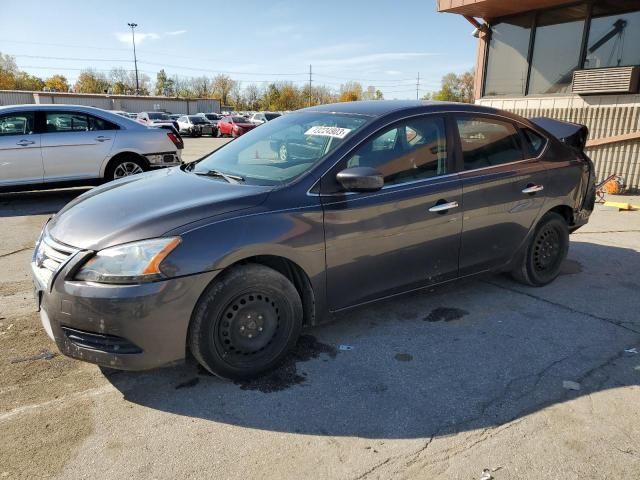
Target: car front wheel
<point>245,322</point>
<point>542,260</point>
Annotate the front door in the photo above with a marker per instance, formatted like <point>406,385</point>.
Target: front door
<point>75,145</point>
<point>20,156</point>
<point>401,237</point>
<point>503,191</point>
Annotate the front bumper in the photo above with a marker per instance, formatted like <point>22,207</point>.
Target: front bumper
<point>128,327</point>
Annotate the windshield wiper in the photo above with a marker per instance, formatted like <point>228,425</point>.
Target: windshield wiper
<point>226,176</point>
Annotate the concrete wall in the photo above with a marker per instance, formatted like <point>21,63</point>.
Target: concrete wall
<point>605,115</point>
<point>112,102</point>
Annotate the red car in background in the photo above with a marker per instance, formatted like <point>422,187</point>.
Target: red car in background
<point>234,126</point>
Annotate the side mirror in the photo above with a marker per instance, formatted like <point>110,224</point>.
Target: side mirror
<point>360,179</point>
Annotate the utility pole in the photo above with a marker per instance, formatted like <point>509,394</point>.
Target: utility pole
<point>418,87</point>
<point>310,81</point>
<point>135,60</point>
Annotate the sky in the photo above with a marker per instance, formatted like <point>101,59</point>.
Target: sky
<point>381,43</point>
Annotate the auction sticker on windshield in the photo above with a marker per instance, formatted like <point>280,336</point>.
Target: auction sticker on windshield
<point>335,132</point>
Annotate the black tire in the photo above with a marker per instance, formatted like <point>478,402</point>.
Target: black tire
<point>114,167</point>
<point>542,260</point>
<point>245,322</point>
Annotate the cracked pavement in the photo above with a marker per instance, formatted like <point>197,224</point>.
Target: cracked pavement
<point>411,399</point>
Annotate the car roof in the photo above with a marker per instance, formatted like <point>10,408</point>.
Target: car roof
<point>124,122</point>
<point>378,108</point>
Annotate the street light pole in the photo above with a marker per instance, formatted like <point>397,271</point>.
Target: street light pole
<point>135,60</point>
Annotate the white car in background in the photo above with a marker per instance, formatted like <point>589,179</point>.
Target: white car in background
<point>56,145</point>
<point>263,117</point>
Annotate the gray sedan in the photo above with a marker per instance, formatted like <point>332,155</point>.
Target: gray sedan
<point>231,256</point>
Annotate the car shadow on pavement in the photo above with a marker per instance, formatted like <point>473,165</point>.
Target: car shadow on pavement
<point>468,356</point>
<point>40,202</point>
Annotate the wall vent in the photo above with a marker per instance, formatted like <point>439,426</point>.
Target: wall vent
<point>597,81</point>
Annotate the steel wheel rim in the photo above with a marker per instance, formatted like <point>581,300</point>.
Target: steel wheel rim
<point>125,169</point>
<point>249,329</point>
<point>546,250</point>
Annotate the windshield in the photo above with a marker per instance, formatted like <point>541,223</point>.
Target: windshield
<point>238,120</point>
<point>211,116</point>
<point>158,116</point>
<point>282,149</point>
<point>196,120</point>
<point>271,116</point>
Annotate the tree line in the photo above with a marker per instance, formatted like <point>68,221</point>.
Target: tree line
<point>252,96</point>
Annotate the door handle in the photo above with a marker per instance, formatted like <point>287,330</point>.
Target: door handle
<point>24,143</point>
<point>102,139</point>
<point>443,207</point>
<point>533,189</point>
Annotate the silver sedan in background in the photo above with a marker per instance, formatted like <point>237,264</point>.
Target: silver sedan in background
<point>56,145</point>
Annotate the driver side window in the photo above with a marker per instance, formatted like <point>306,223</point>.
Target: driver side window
<point>409,150</point>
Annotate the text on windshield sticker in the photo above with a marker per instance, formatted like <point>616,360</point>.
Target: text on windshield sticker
<point>335,132</point>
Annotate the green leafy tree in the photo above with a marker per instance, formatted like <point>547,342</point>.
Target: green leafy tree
<point>164,85</point>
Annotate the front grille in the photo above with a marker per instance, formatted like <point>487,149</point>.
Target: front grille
<point>100,342</point>
<point>49,257</point>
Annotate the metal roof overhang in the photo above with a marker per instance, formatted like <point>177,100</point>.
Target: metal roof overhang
<point>495,8</point>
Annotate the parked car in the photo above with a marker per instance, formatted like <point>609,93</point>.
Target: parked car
<point>234,126</point>
<point>212,117</point>
<point>263,117</point>
<point>157,119</point>
<point>196,126</point>
<point>50,145</point>
<point>230,256</point>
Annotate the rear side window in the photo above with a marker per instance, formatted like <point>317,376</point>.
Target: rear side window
<point>534,141</point>
<point>17,123</point>
<point>66,122</point>
<point>486,142</point>
<point>96,124</point>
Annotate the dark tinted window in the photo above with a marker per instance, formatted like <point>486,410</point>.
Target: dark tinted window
<point>66,122</point>
<point>239,120</point>
<point>96,123</point>
<point>487,142</point>
<point>158,116</point>
<point>407,151</point>
<point>17,123</point>
<point>535,142</point>
<point>507,62</point>
<point>556,51</point>
<point>613,39</point>
<point>270,116</point>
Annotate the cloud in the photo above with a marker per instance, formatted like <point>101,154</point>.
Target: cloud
<point>176,32</point>
<point>125,37</point>
<point>375,58</point>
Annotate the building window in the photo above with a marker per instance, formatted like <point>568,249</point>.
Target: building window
<point>613,39</point>
<point>556,50</point>
<point>507,63</point>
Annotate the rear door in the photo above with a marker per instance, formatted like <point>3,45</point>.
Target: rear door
<point>401,237</point>
<point>20,156</point>
<point>75,145</point>
<point>503,190</point>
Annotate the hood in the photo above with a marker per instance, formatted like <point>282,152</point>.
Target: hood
<point>148,205</point>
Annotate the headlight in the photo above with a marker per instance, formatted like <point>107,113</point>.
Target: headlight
<point>130,263</point>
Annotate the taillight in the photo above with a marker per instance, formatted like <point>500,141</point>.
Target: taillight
<point>176,139</point>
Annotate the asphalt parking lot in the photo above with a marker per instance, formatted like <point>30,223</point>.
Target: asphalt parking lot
<point>480,378</point>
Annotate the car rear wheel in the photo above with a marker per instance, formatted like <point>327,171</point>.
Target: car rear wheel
<point>124,167</point>
<point>547,250</point>
<point>245,322</point>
